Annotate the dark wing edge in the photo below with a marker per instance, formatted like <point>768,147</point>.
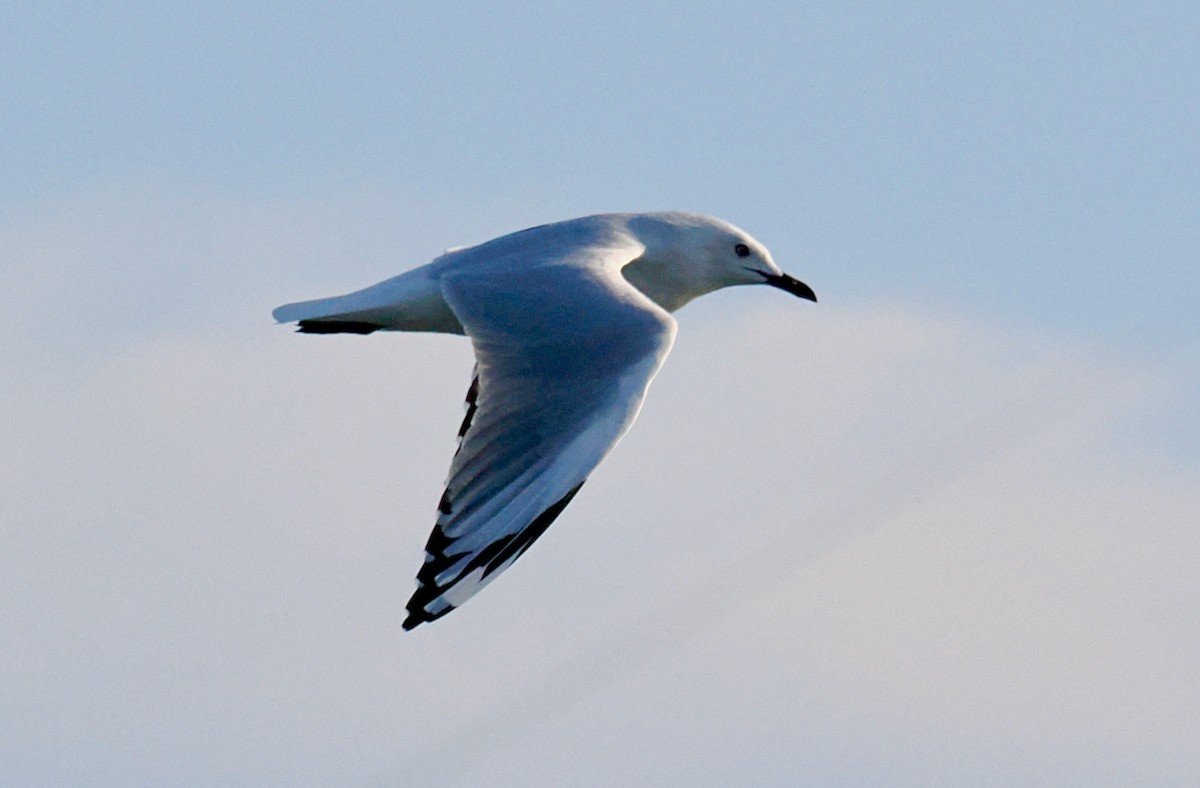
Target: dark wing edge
<point>499,553</point>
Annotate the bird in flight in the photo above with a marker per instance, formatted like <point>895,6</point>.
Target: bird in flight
<point>569,323</point>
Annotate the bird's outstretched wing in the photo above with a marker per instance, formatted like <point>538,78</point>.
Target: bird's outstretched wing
<point>564,352</point>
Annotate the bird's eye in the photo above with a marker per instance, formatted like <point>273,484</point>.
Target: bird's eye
<point>741,250</point>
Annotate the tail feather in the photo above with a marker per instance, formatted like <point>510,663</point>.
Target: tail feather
<point>337,315</point>
<point>409,302</point>
<point>318,309</point>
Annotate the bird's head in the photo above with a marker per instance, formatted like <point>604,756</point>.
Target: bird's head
<point>688,255</point>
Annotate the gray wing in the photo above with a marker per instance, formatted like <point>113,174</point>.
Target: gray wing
<point>564,354</point>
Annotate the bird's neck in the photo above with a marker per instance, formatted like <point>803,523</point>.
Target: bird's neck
<point>664,282</point>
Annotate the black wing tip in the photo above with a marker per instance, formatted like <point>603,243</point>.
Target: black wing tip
<point>417,614</point>
<point>415,619</point>
<point>491,558</point>
<point>336,327</point>
<point>438,547</point>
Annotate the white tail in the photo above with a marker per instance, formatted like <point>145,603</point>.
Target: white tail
<point>409,302</point>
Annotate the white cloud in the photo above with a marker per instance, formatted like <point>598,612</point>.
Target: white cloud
<point>988,598</point>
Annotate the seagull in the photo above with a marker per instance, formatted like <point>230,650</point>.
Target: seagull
<point>569,323</point>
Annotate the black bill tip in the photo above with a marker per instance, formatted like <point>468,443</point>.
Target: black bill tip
<point>789,284</point>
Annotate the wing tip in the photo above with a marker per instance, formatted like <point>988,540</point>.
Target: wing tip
<point>415,619</point>
<point>336,327</point>
<point>418,614</point>
<point>481,569</point>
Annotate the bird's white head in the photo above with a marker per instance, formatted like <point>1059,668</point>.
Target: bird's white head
<point>688,255</point>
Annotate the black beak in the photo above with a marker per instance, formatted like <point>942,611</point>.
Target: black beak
<point>789,284</point>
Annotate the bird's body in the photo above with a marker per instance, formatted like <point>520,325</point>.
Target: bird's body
<point>569,322</point>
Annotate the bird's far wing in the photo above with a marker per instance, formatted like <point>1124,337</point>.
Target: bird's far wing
<point>564,353</point>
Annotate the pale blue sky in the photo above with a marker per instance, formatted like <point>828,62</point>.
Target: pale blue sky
<point>937,529</point>
<point>1027,160</point>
